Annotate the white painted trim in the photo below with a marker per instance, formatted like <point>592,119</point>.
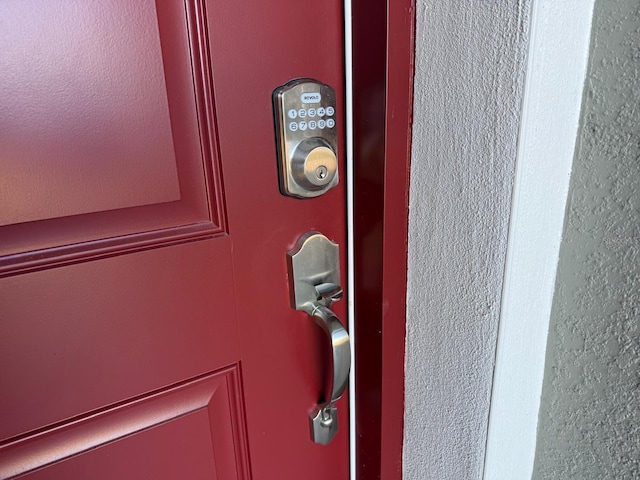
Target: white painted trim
<point>348,68</point>
<point>557,62</point>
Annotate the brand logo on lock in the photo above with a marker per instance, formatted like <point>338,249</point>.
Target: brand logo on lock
<point>313,97</point>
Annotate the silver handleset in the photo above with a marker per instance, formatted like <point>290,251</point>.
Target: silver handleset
<point>314,273</point>
<point>324,419</point>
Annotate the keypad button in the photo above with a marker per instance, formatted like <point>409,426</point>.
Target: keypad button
<point>293,126</point>
<point>330,111</point>
<point>292,113</point>
<point>311,112</point>
<point>321,124</point>
<point>302,126</point>
<point>321,111</point>
<point>330,123</point>
<point>312,125</point>
<point>302,113</point>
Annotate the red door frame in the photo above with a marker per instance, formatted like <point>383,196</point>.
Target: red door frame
<point>383,50</point>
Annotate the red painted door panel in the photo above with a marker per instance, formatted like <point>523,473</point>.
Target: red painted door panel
<point>145,325</point>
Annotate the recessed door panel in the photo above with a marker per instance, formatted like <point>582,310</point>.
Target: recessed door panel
<point>106,131</point>
<point>115,107</point>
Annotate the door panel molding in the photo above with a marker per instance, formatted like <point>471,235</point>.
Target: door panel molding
<point>86,251</point>
<point>209,407</point>
<point>169,314</point>
<point>133,204</point>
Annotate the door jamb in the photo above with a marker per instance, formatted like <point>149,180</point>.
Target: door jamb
<point>382,79</point>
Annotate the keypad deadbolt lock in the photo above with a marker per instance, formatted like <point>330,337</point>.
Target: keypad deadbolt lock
<point>306,139</point>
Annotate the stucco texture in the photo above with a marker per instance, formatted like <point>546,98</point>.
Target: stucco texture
<point>470,66</point>
<point>589,421</point>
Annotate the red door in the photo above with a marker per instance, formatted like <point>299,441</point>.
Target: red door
<point>145,323</point>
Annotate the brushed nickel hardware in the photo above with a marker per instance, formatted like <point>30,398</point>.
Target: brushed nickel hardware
<point>314,273</point>
<point>306,138</point>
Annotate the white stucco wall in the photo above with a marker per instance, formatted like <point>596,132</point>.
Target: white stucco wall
<point>470,65</point>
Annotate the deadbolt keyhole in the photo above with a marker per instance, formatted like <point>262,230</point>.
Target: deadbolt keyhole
<point>321,172</point>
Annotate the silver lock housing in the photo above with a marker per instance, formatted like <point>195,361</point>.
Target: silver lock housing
<point>306,137</point>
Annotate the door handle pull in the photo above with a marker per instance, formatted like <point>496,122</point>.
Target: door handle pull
<point>323,420</point>
<point>314,275</point>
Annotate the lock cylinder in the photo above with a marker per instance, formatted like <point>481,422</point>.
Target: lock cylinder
<point>314,164</point>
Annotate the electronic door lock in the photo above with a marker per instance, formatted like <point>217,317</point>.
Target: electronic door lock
<point>306,139</point>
